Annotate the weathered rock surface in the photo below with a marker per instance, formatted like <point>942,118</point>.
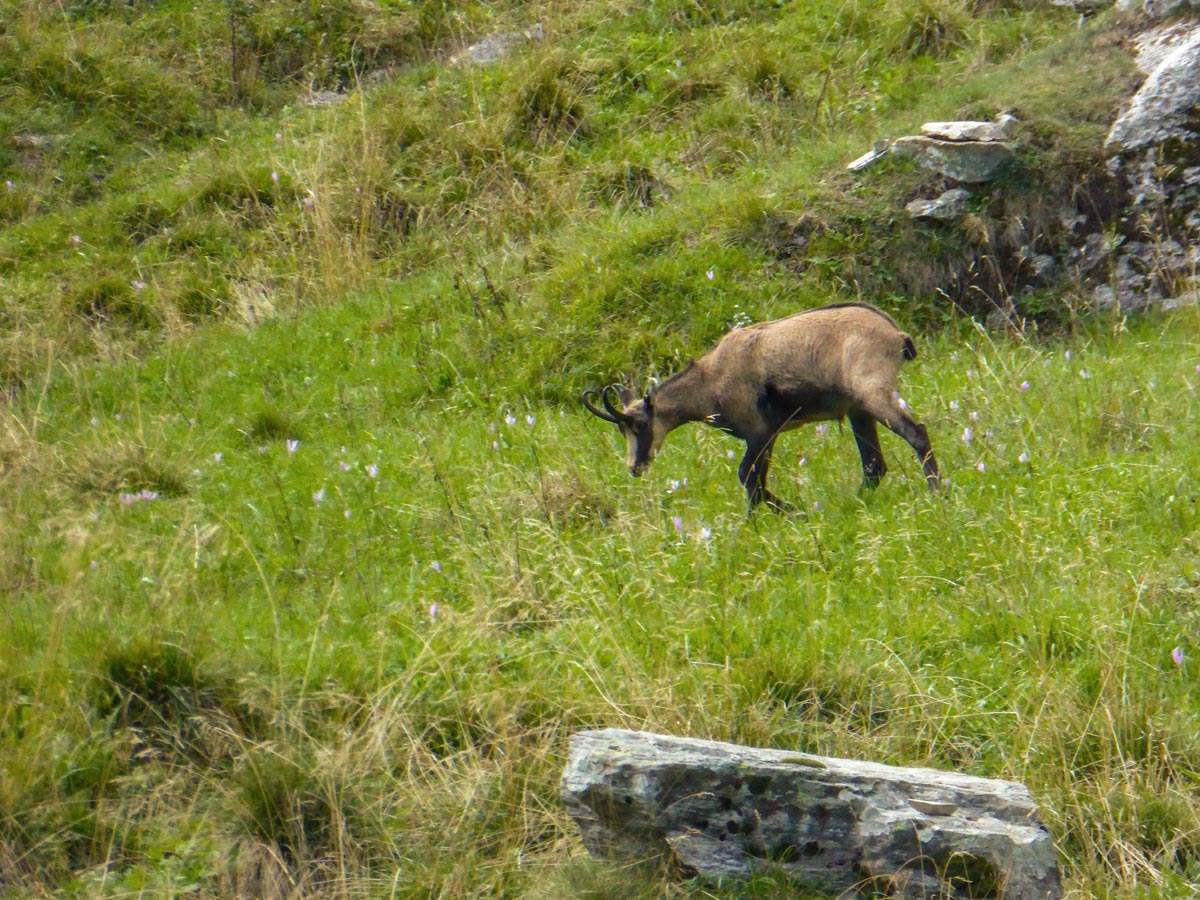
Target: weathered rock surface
<point>965,151</point>
<point>1164,108</point>
<point>496,47</point>
<point>949,206</point>
<point>1154,152</point>
<point>872,156</point>
<point>969,161</point>
<point>1155,9</point>
<point>720,810</point>
<point>965,131</point>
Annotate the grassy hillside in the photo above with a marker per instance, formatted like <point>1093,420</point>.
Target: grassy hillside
<point>311,562</point>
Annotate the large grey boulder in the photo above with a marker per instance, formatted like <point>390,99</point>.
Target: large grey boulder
<point>718,809</point>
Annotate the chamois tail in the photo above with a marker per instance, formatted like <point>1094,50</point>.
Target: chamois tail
<point>910,349</point>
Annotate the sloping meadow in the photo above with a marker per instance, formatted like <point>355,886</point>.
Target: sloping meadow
<point>277,625</point>
<point>311,561</point>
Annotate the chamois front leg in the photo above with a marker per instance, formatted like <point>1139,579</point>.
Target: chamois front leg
<point>895,419</point>
<point>753,474</point>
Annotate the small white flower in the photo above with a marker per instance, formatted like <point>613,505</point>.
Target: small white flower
<point>968,435</point>
<point>436,566</point>
<point>319,496</point>
<point>710,274</point>
<point>510,419</point>
<point>1023,458</point>
<point>982,467</point>
<point>530,419</point>
<point>373,470</point>
<point>954,404</point>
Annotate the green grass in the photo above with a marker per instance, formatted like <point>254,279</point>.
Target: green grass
<point>371,648</point>
<point>311,560</point>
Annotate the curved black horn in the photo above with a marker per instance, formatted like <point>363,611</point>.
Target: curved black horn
<point>599,413</point>
<point>617,414</point>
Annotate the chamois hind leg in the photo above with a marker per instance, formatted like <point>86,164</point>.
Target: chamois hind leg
<point>866,436</point>
<point>895,419</point>
<point>753,474</point>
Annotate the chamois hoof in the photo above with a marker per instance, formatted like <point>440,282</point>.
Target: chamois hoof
<point>776,505</point>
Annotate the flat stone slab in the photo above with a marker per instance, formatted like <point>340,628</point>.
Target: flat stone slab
<point>970,161</point>
<point>965,131</point>
<point>839,825</point>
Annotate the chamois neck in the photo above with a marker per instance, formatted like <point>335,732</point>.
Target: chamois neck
<point>682,398</point>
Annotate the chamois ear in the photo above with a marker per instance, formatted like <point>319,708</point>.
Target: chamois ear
<point>624,397</point>
<point>624,393</point>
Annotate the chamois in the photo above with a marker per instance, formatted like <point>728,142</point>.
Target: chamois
<point>833,362</point>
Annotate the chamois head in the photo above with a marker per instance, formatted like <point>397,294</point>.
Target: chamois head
<point>643,431</point>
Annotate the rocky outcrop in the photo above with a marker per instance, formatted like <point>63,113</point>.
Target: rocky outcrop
<point>1155,142</point>
<point>1154,152</point>
<point>842,826</point>
<point>970,152</point>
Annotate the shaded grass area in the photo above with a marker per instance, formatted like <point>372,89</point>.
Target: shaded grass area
<point>344,655</point>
